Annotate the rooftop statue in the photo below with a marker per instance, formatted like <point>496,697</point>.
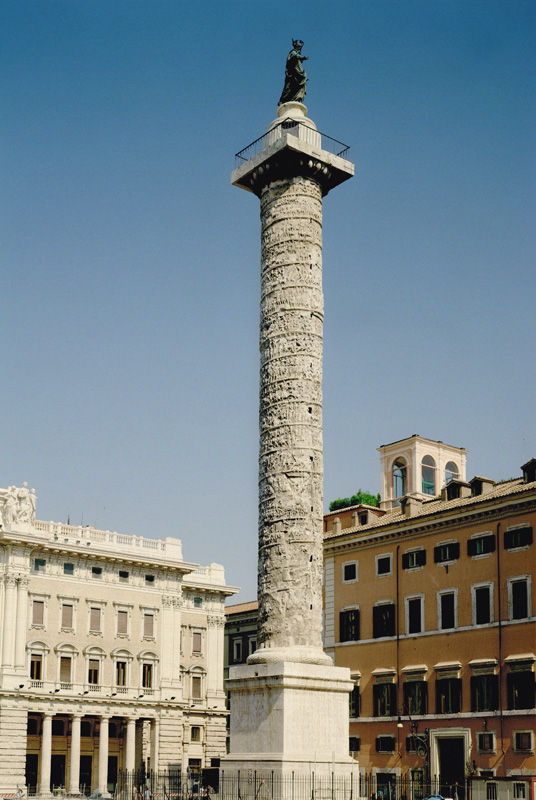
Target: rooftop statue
<point>295,75</point>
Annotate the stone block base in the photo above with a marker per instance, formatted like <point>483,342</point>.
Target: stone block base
<point>289,717</point>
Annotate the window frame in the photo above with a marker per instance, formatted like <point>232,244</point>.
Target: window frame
<point>488,544</point>
<point>511,530</point>
<point>455,694</point>
<point>441,593</point>
<point>415,553</point>
<point>523,732</point>
<point>376,627</point>
<point>493,749</point>
<point>428,483</point>
<point>350,564</point>
<point>510,583</point>
<point>407,600</point>
<point>489,585</point>
<point>385,750</point>
<point>349,621</point>
<point>449,559</point>
<point>381,557</point>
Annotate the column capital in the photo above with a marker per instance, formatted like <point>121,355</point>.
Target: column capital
<point>23,582</point>
<point>10,580</point>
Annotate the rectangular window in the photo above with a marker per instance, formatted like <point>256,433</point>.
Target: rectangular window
<point>58,727</point>
<point>252,646</point>
<point>123,576</point>
<point>520,791</point>
<point>96,572</point>
<point>523,741</point>
<point>520,687</point>
<point>484,693</point>
<point>195,733</point>
<point>68,569</point>
<point>446,552</point>
<point>447,607</point>
<point>147,676</point>
<point>149,580</point>
<point>122,621</point>
<point>384,695</point>
<point>196,642</point>
<point>349,572</point>
<point>482,605</point>
<point>196,687</point>
<point>93,671</point>
<point>67,615</point>
<point>38,612</point>
<point>36,663</point>
<point>349,625</point>
<point>415,698</point>
<point>148,625</point>
<point>65,669</point>
<point>491,791</point>
<point>354,744</point>
<point>385,744</point>
<point>413,559</point>
<point>519,537</point>
<point>485,742</point>
<point>383,620</point>
<point>354,702</point>
<point>414,615</point>
<point>237,650</point>
<point>383,565</point>
<point>39,565</point>
<point>519,599</point>
<point>448,695</point>
<point>198,602</point>
<point>121,673</point>
<point>95,619</point>
<point>480,545</point>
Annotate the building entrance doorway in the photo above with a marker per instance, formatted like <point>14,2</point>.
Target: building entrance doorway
<point>57,770</point>
<point>451,767</point>
<point>85,774</point>
<point>112,773</point>
<point>32,764</point>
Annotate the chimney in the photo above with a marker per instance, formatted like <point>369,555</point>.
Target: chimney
<point>410,505</point>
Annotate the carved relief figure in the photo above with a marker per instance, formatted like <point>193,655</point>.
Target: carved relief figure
<point>18,504</point>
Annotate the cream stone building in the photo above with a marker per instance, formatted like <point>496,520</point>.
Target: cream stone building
<point>111,654</point>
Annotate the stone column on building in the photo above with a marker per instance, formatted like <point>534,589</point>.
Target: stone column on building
<point>289,678</point>
<point>168,644</point>
<point>46,756</point>
<point>215,645</point>
<point>9,620</point>
<point>176,662</point>
<point>103,756</point>
<point>74,767</point>
<point>130,745</point>
<point>20,634</point>
<point>155,741</point>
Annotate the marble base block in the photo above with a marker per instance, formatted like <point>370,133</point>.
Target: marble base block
<point>289,717</point>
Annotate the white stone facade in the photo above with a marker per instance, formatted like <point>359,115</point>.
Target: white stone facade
<point>111,654</point>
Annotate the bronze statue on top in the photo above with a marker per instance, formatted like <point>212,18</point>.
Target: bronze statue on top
<point>295,75</point>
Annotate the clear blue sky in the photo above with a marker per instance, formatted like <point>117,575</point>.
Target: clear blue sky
<point>130,289</point>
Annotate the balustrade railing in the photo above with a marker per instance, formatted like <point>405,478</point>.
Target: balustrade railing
<point>292,127</point>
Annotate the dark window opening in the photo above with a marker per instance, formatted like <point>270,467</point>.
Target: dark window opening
<point>354,744</point>
<point>481,545</point>
<point>520,687</point>
<point>446,552</point>
<point>350,572</point>
<point>414,615</point>
<point>484,693</point>
<point>349,625</point>
<point>384,699</point>
<point>385,744</point>
<point>448,695</point>
<point>448,617</point>
<point>383,565</point>
<point>383,620</point>
<point>415,698</point>
<point>520,599</point>
<point>482,605</point>
<point>355,702</point>
<point>519,537</point>
<point>415,558</point>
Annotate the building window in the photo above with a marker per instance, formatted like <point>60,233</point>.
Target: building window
<point>93,671</point>
<point>95,619</point>
<point>349,625</point>
<point>484,693</point>
<point>520,790</point>
<point>485,742</point>
<point>196,687</point>
<point>120,673</point>
<point>68,569</point>
<point>252,645</point>
<point>39,565</point>
<point>415,698</point>
<point>122,621</point>
<point>399,478</point>
<point>237,650</point>
<point>198,602</point>
<point>66,663</point>
<point>414,615</point>
<point>123,576</point>
<point>520,687</point>
<point>355,702</point>
<point>38,612</point>
<point>491,791</point>
<point>523,742</point>
<point>349,572</point>
<point>32,727</point>
<point>147,676</point>
<point>451,471</point>
<point>383,620</point>
<point>518,598</point>
<point>385,744</point>
<point>384,699</point>
<point>67,616</point>
<point>85,729</point>
<point>447,610</point>
<point>354,744</point>
<point>448,551</point>
<point>413,559</point>
<point>428,475</point>
<point>58,727</point>
<point>96,572</point>
<point>482,602</point>
<point>384,565</point>
<point>195,733</point>
<point>448,695</point>
<point>481,545</point>
<point>36,667</point>
<point>149,580</point>
<point>148,626</point>
<point>196,642</point>
<point>517,538</point>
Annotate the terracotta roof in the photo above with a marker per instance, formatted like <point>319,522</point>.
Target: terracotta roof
<point>431,507</point>
<point>240,607</point>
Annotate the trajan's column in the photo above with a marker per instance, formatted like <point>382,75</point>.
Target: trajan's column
<point>289,705</point>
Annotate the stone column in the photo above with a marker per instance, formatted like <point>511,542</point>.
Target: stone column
<point>20,636</point>
<point>46,756</point>
<point>215,644</point>
<point>155,741</point>
<point>74,771</point>
<point>130,745</point>
<point>167,640</point>
<point>103,756</point>
<point>176,662</point>
<point>9,621</point>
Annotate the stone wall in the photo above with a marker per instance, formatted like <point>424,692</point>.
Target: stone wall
<point>13,725</point>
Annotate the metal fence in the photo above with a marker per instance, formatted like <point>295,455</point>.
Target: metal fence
<point>292,126</point>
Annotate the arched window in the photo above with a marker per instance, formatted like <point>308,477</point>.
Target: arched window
<point>399,478</point>
<point>428,475</point>
<point>451,472</point>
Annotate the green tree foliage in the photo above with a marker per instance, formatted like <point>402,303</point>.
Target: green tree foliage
<point>355,500</point>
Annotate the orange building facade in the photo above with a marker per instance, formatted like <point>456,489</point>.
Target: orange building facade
<point>431,606</point>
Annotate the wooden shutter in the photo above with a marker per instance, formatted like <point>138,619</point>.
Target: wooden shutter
<point>66,616</point>
<point>420,558</point>
<point>65,669</point>
<point>38,612</point>
<point>95,619</point>
<point>148,624</point>
<point>122,622</point>
<point>196,642</point>
<point>196,688</point>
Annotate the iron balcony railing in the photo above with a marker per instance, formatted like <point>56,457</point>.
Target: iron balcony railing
<point>332,146</point>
